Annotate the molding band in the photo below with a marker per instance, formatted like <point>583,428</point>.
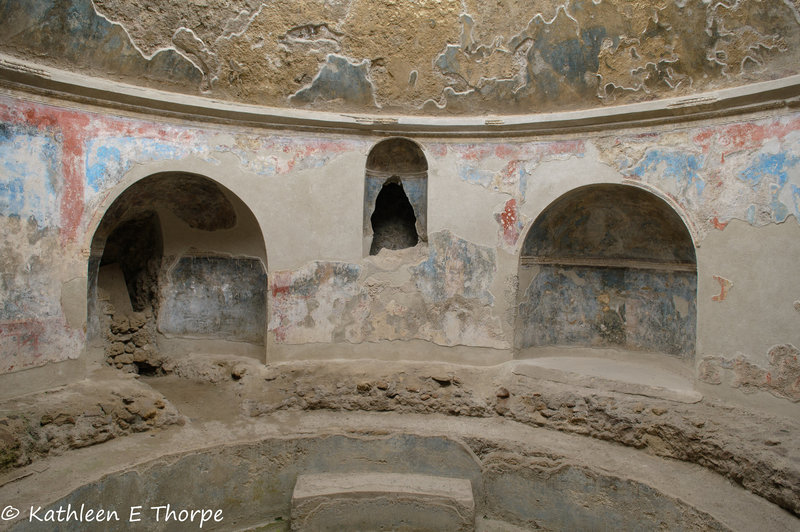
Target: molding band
<point>20,75</point>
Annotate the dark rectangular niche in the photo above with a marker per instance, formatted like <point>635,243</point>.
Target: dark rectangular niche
<point>637,309</point>
<point>216,297</point>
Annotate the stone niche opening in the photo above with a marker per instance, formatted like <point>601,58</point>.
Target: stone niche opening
<point>133,251</point>
<point>395,196</point>
<point>177,266</point>
<point>608,266</point>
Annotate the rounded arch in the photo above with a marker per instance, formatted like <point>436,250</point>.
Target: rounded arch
<point>397,155</point>
<point>176,261</point>
<point>534,207</point>
<point>202,169</point>
<point>395,195</point>
<point>610,222</point>
<point>608,265</point>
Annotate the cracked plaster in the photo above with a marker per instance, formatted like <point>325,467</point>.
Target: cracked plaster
<point>420,57</point>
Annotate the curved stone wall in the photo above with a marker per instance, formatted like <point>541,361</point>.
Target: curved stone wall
<point>520,479</point>
<point>251,486</point>
<point>732,180</point>
<point>428,57</point>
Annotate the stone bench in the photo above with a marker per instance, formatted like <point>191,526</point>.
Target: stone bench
<point>382,501</point>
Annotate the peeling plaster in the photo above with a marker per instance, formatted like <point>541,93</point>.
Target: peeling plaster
<point>446,299</point>
<point>72,33</point>
<point>748,170</point>
<point>421,56</point>
<point>724,287</point>
<point>338,80</point>
<point>610,307</point>
<point>781,378</point>
<point>454,290</point>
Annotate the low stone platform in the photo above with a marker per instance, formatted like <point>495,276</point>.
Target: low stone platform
<point>624,376</point>
<point>382,501</point>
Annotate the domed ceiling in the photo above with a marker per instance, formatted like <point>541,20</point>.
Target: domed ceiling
<point>424,57</point>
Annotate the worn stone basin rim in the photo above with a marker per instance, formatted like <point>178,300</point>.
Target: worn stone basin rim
<point>512,482</point>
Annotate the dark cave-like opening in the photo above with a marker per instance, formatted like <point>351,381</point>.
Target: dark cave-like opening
<point>136,246</point>
<point>393,221</point>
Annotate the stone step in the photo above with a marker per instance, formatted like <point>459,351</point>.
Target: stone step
<point>382,501</point>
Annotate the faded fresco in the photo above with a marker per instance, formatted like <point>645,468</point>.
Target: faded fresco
<point>219,297</point>
<point>614,266</point>
<point>439,294</point>
<point>780,378</point>
<point>624,308</point>
<point>742,170</point>
<point>745,170</point>
<point>569,229</point>
<point>59,165</point>
<point>73,33</point>
<point>421,56</point>
<point>33,328</point>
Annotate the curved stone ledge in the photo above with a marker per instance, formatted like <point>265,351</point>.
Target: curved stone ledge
<point>522,477</point>
<point>17,74</point>
<point>755,450</point>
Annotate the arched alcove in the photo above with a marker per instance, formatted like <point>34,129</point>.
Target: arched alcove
<point>395,196</point>
<point>177,262</point>
<point>608,266</point>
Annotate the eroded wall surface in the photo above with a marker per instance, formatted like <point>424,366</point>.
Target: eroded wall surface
<point>33,327</point>
<point>734,182</point>
<point>610,307</point>
<point>612,266</point>
<point>420,56</point>
<point>215,297</point>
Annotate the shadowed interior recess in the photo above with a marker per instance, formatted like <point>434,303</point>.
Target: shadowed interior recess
<point>395,195</point>
<point>393,220</point>
<point>611,223</point>
<point>615,267</point>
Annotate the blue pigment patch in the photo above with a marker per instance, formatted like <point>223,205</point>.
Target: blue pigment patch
<point>447,61</point>
<point>107,156</point>
<point>478,176</point>
<point>603,307</point>
<point>455,268</point>
<point>750,214</point>
<point>73,32</point>
<point>769,164</point>
<point>338,79</point>
<point>679,166</point>
<point>795,201</point>
<point>775,168</point>
<point>12,199</point>
<point>105,161</point>
<point>416,190</point>
<point>29,179</point>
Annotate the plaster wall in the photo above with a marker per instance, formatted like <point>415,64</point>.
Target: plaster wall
<point>735,183</point>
